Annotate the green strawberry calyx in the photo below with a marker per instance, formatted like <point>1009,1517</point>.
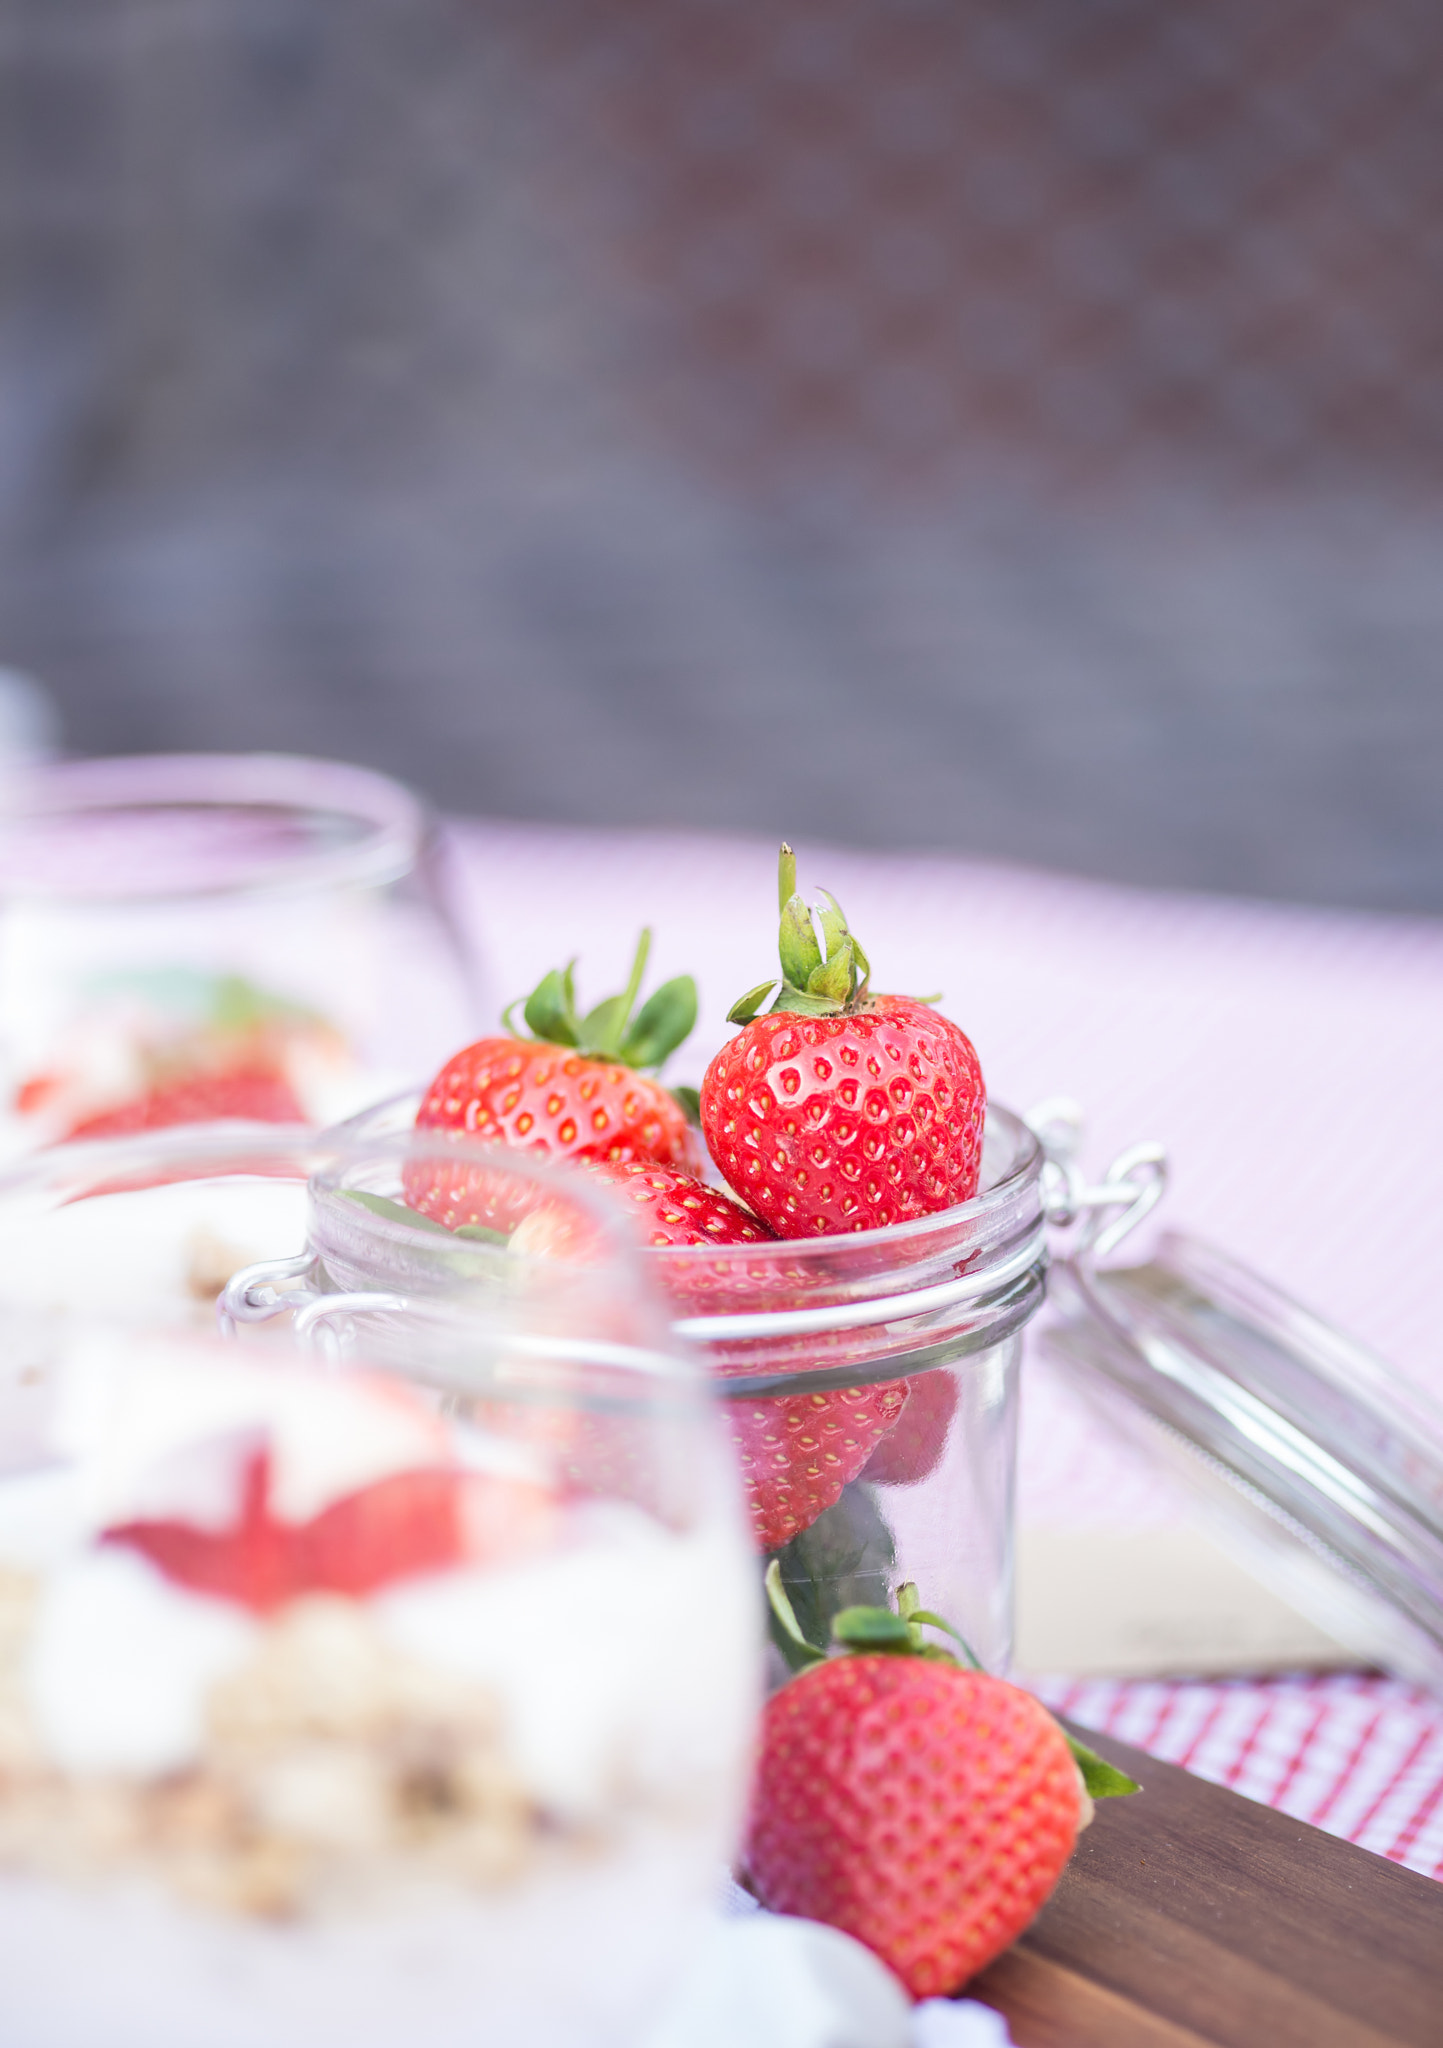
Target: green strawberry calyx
<point>610,1031</point>
<point>888,1632</point>
<point>825,973</point>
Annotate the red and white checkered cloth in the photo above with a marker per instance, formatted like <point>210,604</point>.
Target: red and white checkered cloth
<point>1360,1756</point>
<point>1286,1057</point>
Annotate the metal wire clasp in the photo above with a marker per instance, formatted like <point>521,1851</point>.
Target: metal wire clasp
<point>1133,1185</point>
<point>269,1288</point>
<point>277,1287</point>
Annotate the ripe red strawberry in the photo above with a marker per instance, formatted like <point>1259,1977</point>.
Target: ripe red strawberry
<point>913,1450</point>
<point>663,1206</point>
<point>411,1522</point>
<point>798,1451</point>
<point>840,1110</point>
<point>573,1091</point>
<point>669,1207</point>
<point>925,1809</point>
<point>255,1094</point>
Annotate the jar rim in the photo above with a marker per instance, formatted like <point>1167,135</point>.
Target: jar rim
<point>383,827</point>
<point>964,1221</point>
<point>961,1218</point>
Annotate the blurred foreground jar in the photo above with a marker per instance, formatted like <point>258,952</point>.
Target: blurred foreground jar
<point>186,937</point>
<point>362,1681</point>
<point>869,1381</point>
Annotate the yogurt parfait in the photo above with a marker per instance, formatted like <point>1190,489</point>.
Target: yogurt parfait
<point>339,1709</point>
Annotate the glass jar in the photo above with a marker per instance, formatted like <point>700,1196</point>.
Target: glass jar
<point>871,1386</point>
<point>351,1672</point>
<point>870,1381</point>
<point>1314,1464</point>
<point>187,937</point>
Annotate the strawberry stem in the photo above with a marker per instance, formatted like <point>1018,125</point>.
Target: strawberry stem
<point>601,1029</point>
<point>874,1628</point>
<point>609,1031</point>
<point>879,1631</point>
<point>825,972</point>
<point>797,1650</point>
<point>786,876</point>
<point>923,1617</point>
<point>816,982</point>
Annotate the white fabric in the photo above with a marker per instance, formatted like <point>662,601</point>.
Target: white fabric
<point>766,1981</point>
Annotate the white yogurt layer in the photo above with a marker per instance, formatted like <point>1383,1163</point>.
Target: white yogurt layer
<point>623,1662</point>
<point>43,1518</point>
<point>122,1662</point>
<point>132,1252</point>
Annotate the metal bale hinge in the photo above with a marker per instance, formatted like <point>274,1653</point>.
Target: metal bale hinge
<point>1129,1191</point>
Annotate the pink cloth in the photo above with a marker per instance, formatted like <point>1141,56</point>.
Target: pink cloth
<point>1287,1058</point>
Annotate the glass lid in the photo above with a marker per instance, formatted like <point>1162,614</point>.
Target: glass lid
<point>1315,1463</point>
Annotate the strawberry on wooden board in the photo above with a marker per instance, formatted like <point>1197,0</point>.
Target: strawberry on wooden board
<point>840,1110</point>
<point>923,1808</point>
<point>574,1090</point>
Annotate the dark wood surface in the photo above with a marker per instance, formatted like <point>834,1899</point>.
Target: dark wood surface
<point>1191,1916</point>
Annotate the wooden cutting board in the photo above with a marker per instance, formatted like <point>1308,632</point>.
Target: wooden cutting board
<point>1192,1918</point>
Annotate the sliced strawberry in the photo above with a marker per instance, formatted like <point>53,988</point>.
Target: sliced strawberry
<point>34,1094</point>
<point>411,1522</point>
<point>253,1094</point>
<point>250,1563</point>
<point>913,1450</point>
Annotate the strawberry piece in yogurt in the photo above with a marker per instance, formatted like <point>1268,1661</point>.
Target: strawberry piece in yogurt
<point>399,1527</point>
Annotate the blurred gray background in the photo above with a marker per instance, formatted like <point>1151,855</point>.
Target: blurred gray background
<point>1013,426</point>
